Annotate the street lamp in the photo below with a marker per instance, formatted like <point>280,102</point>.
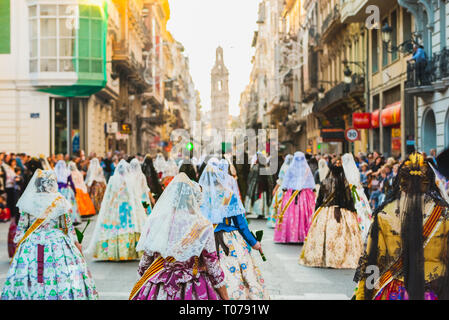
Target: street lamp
<point>387,31</point>
<point>321,92</point>
<point>404,47</point>
<point>347,75</point>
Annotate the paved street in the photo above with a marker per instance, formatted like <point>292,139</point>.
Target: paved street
<point>284,277</point>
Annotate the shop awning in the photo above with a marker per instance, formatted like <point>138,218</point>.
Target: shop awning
<point>391,114</point>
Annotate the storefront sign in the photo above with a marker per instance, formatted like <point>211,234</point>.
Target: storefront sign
<point>375,119</point>
<point>34,115</point>
<point>352,134</point>
<point>361,120</point>
<point>333,135</point>
<point>391,115</point>
<point>125,128</point>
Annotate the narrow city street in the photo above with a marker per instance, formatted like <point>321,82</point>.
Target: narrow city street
<point>284,277</point>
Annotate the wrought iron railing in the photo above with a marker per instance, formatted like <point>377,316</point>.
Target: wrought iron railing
<point>424,74</point>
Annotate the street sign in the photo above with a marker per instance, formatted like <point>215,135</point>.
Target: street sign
<point>112,127</point>
<point>352,134</point>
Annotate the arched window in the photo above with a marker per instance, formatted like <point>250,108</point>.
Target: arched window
<point>429,132</point>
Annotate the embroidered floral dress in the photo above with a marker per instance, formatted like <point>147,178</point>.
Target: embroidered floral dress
<point>334,239</point>
<point>118,237</point>
<point>118,227</point>
<point>195,279</point>
<point>48,265</point>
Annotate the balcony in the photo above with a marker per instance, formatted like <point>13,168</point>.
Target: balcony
<point>124,61</point>
<point>332,20</point>
<point>433,77</point>
<point>340,99</point>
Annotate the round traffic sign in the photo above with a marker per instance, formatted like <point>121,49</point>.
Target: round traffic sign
<point>352,134</point>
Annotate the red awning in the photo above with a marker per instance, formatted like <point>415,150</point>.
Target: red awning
<point>391,114</point>
<point>375,119</point>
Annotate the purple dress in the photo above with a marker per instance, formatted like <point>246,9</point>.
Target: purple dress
<point>178,282</point>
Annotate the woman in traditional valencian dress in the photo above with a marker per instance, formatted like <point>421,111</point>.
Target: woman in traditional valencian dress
<point>334,239</point>
<point>159,164</point>
<point>67,189</point>
<point>96,183</point>
<point>85,204</point>
<point>48,263</point>
<point>260,188</point>
<point>408,240</point>
<point>179,257</point>
<point>152,177</point>
<point>278,192</point>
<point>120,221</point>
<point>223,207</point>
<point>142,192</point>
<point>298,202</point>
<point>361,203</point>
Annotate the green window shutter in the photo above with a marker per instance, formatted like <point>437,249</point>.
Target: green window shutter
<point>5,27</point>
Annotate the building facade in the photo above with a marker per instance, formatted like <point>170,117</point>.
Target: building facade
<point>85,75</point>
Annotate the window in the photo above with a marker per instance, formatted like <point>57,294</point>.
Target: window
<point>375,51</point>
<point>66,38</point>
<point>406,25</point>
<point>384,48</point>
<point>394,35</point>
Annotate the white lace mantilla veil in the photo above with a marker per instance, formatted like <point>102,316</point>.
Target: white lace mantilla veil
<point>219,195</point>
<point>44,162</point>
<point>159,163</point>
<point>298,175</point>
<point>323,169</point>
<point>236,205</point>
<point>288,160</point>
<point>140,181</point>
<point>94,172</point>
<point>77,177</point>
<point>361,204</point>
<point>171,169</point>
<point>121,180</point>
<point>62,172</point>
<point>176,227</point>
<point>41,193</point>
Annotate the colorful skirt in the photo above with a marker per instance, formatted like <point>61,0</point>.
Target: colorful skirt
<point>333,241</point>
<point>274,207</point>
<point>259,207</point>
<point>176,283</point>
<point>243,278</point>
<point>119,248</point>
<point>75,215</point>
<point>297,218</point>
<point>85,204</point>
<point>64,274</point>
<point>395,290</point>
<point>96,193</point>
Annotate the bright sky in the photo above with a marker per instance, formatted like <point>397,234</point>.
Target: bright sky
<point>203,25</point>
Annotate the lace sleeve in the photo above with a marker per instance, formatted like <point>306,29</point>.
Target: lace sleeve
<point>144,263</point>
<point>22,227</point>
